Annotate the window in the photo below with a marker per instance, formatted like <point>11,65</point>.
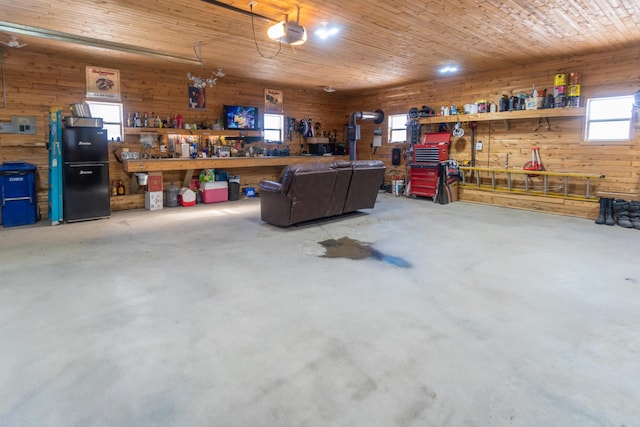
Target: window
<point>609,119</point>
<point>273,125</point>
<point>111,114</point>
<point>397,128</point>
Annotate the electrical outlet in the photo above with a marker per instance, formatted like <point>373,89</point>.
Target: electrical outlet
<point>479,146</point>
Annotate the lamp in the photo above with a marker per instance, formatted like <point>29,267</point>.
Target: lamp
<point>288,32</point>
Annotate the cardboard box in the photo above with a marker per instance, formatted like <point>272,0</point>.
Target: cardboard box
<point>154,182</point>
<point>153,200</point>
<point>213,192</point>
<point>454,191</point>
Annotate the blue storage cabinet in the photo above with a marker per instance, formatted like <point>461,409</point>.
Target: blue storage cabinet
<point>18,194</point>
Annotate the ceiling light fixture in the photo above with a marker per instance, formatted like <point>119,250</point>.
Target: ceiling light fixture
<point>288,32</point>
<point>329,89</point>
<point>325,32</point>
<point>10,27</point>
<point>448,69</point>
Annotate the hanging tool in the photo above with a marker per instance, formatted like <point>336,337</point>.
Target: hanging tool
<point>473,126</point>
<point>535,164</point>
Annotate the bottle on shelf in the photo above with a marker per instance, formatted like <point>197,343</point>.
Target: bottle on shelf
<point>114,188</point>
<point>121,189</point>
<point>129,121</point>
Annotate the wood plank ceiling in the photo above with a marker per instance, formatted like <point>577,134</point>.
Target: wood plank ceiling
<point>381,42</point>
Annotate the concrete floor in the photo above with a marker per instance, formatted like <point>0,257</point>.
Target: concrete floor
<point>205,316</point>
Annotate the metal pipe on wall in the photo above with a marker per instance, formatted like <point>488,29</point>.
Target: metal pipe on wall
<point>353,130</point>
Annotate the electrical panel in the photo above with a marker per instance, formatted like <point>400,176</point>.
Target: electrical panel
<point>20,125</point>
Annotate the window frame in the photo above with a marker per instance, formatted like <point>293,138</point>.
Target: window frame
<point>279,129</point>
<point>118,138</point>
<point>391,129</point>
<point>621,117</point>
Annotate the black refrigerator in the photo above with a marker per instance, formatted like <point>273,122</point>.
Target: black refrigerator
<point>85,178</point>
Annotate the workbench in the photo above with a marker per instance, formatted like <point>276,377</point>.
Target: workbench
<point>191,165</point>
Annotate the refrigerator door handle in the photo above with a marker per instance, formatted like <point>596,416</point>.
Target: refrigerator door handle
<point>86,165</point>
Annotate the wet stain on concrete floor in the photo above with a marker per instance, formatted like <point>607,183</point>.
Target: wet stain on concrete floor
<point>346,247</point>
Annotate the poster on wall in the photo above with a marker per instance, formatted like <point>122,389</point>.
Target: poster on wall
<point>197,99</point>
<point>103,83</point>
<point>273,101</point>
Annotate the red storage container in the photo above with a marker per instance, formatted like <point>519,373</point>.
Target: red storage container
<point>213,192</point>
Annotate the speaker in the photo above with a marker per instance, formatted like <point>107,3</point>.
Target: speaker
<point>395,157</point>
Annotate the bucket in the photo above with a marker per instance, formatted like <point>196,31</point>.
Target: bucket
<point>142,178</point>
<point>560,80</point>
<point>396,186</point>
<point>574,90</point>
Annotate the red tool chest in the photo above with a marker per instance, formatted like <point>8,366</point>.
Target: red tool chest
<point>424,179</point>
<point>426,157</point>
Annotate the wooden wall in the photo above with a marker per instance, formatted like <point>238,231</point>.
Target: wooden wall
<point>36,81</point>
<point>562,148</point>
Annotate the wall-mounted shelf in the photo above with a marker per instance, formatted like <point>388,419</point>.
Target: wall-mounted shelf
<point>545,113</point>
<point>172,131</point>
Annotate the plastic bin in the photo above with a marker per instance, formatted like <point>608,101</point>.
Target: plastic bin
<point>18,198</point>
<point>213,192</point>
<point>234,188</point>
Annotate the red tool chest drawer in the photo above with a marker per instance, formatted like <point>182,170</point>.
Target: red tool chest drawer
<point>424,179</point>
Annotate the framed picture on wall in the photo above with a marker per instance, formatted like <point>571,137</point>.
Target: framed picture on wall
<point>197,98</point>
<point>103,83</point>
<point>273,101</point>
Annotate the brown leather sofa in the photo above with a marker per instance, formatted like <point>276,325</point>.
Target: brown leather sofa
<point>318,190</point>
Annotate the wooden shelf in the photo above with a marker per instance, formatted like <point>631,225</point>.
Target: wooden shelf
<point>174,131</point>
<point>506,115</point>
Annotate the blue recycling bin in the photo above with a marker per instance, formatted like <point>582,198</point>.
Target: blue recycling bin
<point>18,199</point>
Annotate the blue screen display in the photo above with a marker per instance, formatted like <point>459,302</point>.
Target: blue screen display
<point>240,117</point>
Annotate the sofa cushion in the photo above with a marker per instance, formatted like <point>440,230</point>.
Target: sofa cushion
<point>340,188</point>
<point>289,172</point>
<point>366,180</point>
<point>311,192</point>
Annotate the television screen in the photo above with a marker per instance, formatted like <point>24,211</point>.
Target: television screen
<point>240,117</point>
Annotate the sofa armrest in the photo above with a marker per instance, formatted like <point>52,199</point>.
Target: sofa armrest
<point>268,185</point>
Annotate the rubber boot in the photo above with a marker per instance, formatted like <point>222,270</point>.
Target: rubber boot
<point>603,211</point>
<point>621,213</point>
<point>609,210</point>
<point>634,214</point>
